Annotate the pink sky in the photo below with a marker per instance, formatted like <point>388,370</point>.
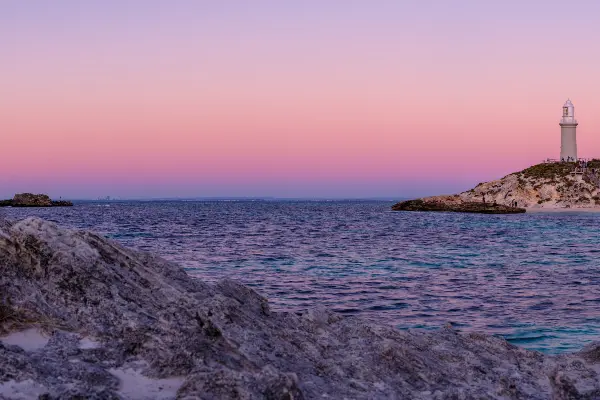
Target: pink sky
<point>343,99</point>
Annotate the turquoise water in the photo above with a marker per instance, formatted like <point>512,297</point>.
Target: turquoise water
<point>532,278</point>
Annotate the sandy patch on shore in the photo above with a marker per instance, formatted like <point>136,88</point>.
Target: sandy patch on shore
<point>29,340</point>
<point>89,343</point>
<point>24,390</point>
<point>136,386</point>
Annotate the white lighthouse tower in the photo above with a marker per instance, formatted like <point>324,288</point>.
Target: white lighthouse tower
<point>568,139</point>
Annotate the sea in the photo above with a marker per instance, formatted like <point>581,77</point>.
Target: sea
<point>531,278</point>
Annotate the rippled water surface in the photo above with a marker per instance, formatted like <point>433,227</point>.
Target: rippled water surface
<point>533,278</point>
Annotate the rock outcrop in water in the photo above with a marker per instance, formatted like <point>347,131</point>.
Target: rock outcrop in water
<point>83,316</point>
<point>455,204</point>
<point>547,185</point>
<point>33,200</point>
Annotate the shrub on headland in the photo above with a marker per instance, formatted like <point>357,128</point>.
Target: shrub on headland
<point>549,170</point>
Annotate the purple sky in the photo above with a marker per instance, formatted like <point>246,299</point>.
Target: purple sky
<point>288,99</point>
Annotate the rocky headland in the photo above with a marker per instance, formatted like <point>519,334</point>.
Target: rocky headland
<point>551,185</point>
<point>83,317</point>
<point>33,200</point>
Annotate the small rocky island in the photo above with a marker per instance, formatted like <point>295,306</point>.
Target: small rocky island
<point>82,317</point>
<point>549,185</point>
<point>34,200</point>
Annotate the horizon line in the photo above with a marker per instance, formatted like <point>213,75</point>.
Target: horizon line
<point>238,198</point>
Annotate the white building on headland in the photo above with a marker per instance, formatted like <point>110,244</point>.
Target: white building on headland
<point>568,138</point>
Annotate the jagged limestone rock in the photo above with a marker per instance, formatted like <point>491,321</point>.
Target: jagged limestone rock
<point>117,323</point>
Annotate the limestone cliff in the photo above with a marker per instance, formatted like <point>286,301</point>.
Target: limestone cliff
<point>546,185</point>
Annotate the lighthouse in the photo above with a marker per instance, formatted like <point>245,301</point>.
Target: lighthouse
<point>568,139</point>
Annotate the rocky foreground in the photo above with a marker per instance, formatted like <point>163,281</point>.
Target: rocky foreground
<point>33,200</point>
<point>83,317</point>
